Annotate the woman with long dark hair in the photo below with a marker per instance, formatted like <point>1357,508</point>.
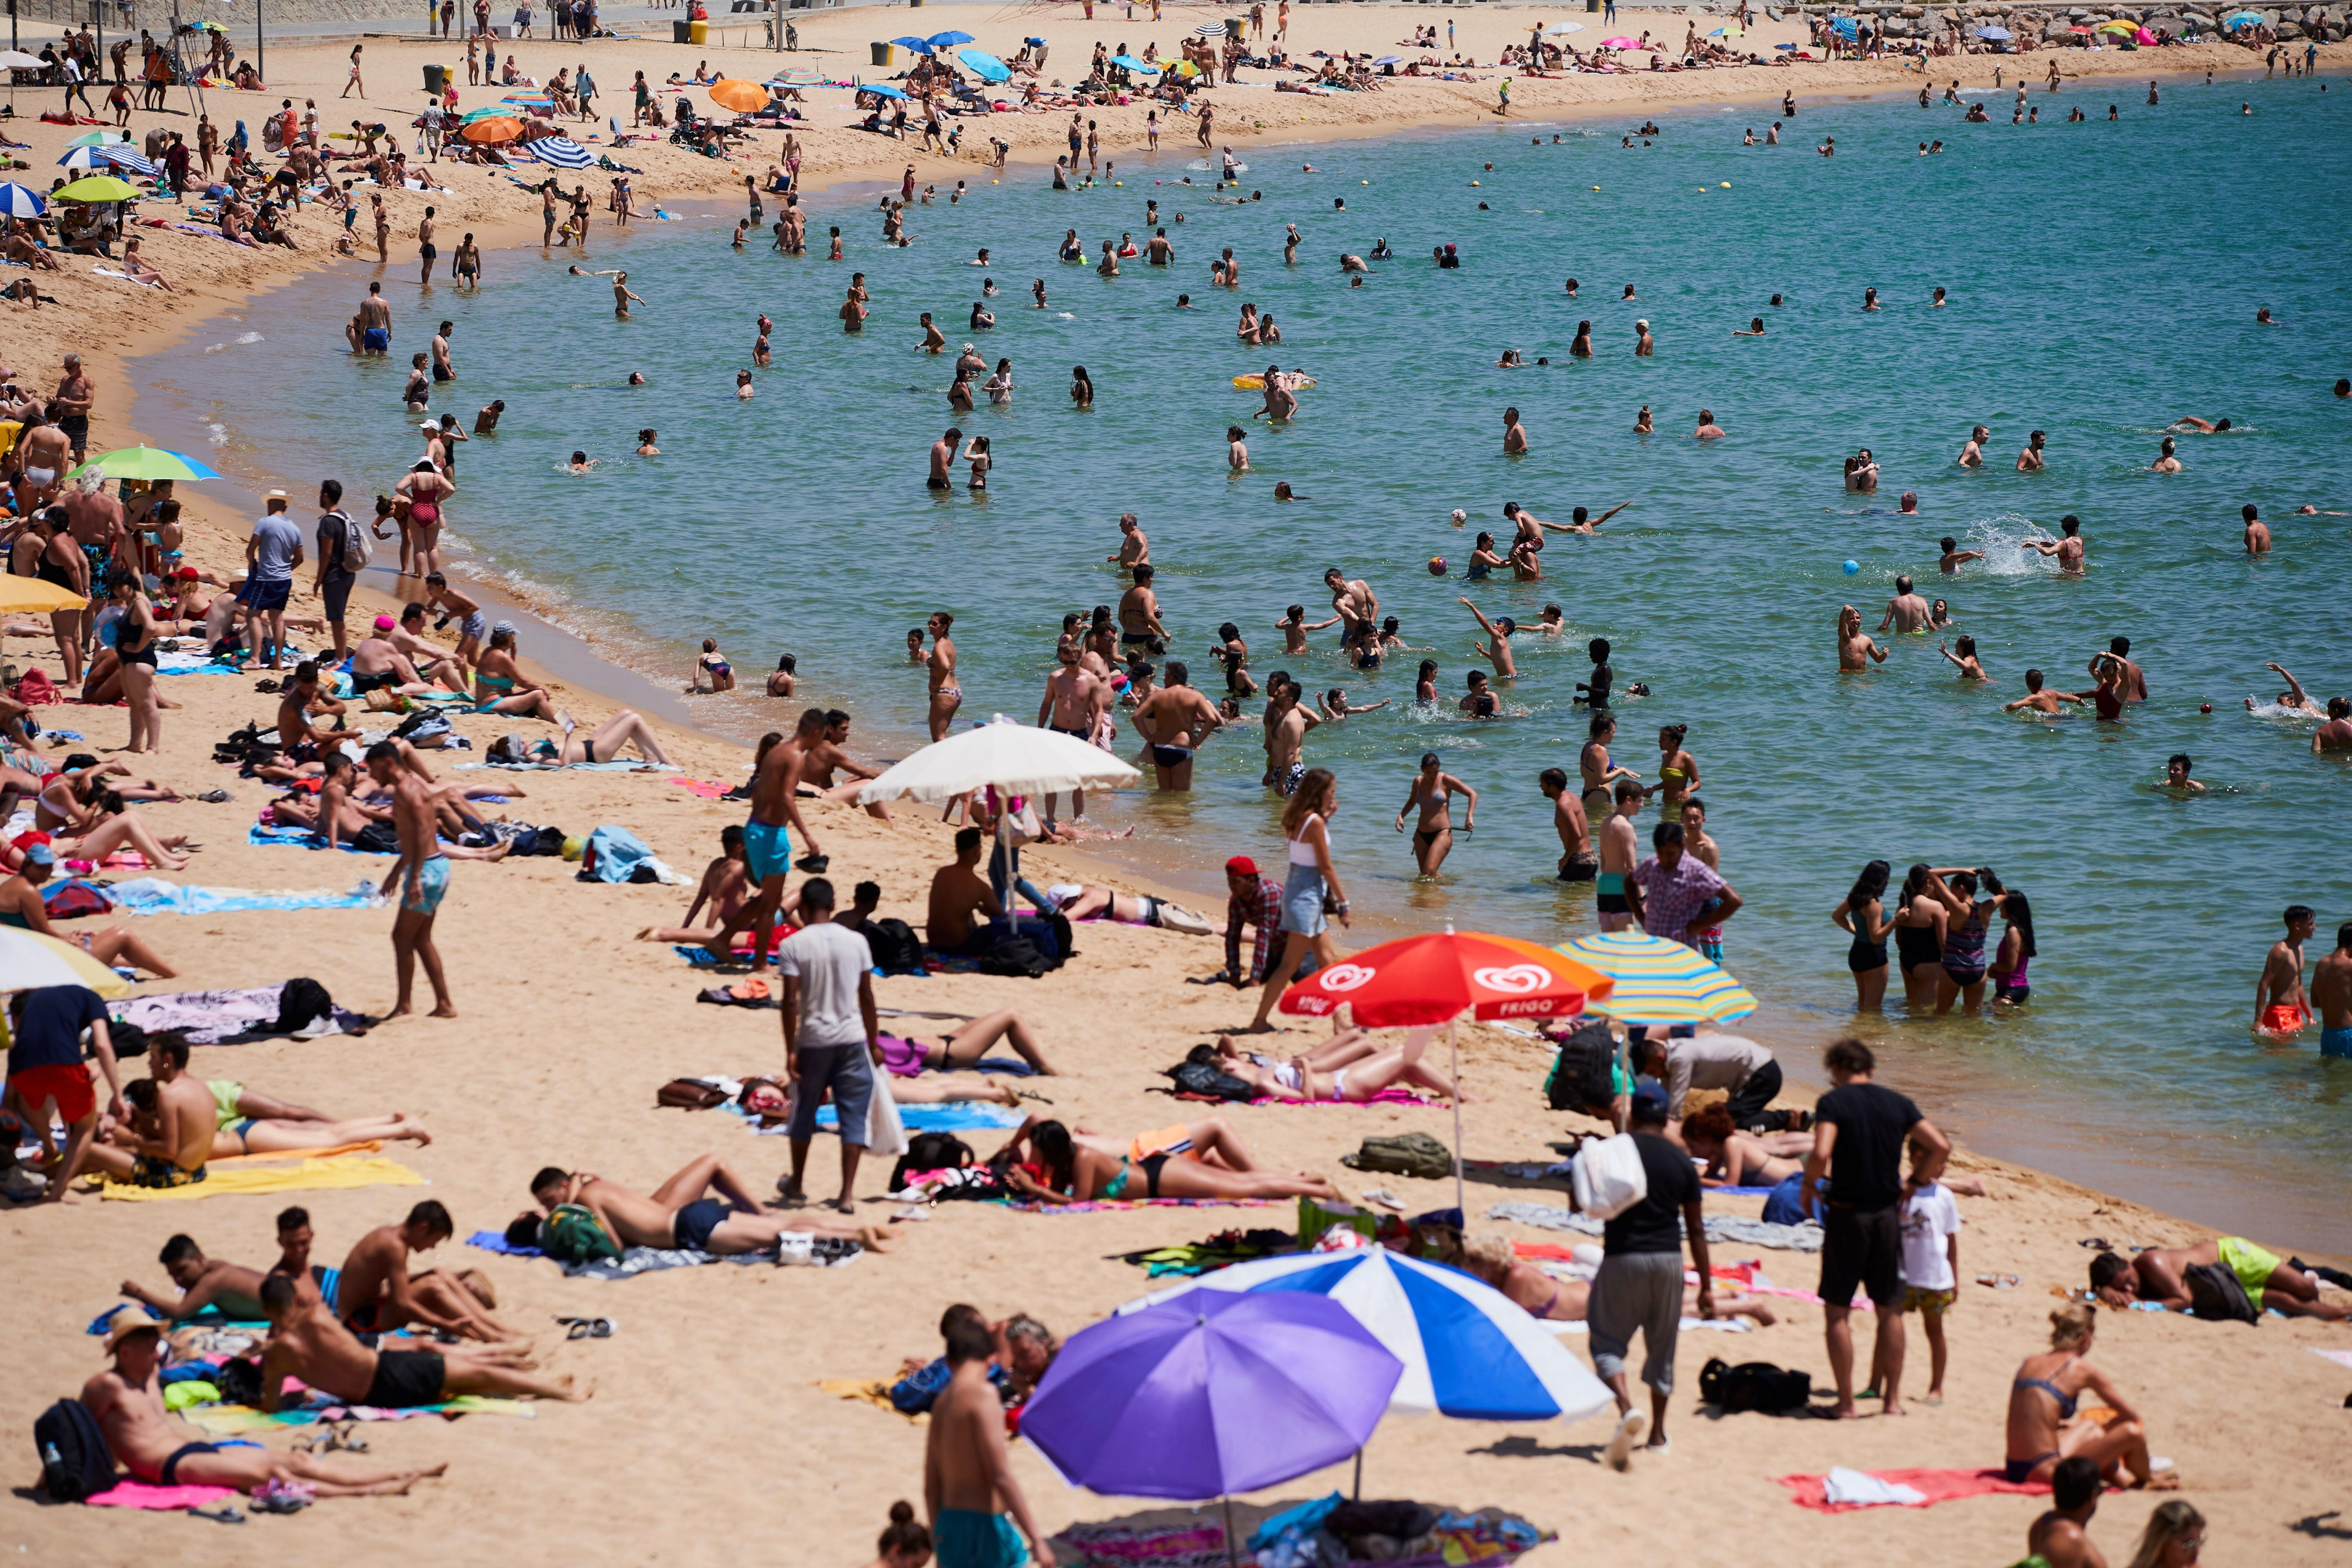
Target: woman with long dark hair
<point>2007,972</point>
<point>1311,884</point>
<point>1860,912</point>
<point>1919,936</point>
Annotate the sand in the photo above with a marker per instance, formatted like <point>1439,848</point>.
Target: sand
<point>707,1439</point>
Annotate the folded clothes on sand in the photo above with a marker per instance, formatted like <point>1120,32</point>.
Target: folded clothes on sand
<point>1731,1227</point>
<point>309,1176</point>
<point>1929,1486</point>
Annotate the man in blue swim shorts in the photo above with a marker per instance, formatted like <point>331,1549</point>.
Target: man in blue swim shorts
<point>2331,995</point>
<point>767,846</point>
<point>966,1475</point>
<point>420,875</point>
<point>370,331</point>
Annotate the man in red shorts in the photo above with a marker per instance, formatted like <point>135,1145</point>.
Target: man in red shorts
<point>45,1068</point>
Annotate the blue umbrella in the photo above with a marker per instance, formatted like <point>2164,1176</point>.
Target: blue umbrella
<point>108,157</point>
<point>1845,25</point>
<point>988,66</point>
<point>920,45</point>
<point>1469,1351</point>
<point>2243,19</point>
<point>563,153</point>
<point>1994,33</point>
<point>1236,1391</point>
<point>1132,63</point>
<point>943,40</point>
<point>21,201</point>
<point>880,91</point>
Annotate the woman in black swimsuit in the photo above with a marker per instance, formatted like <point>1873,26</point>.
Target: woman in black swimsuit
<point>1860,914</point>
<point>1919,937</point>
<point>135,644</point>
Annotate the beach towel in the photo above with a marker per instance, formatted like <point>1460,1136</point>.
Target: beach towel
<point>1805,1238</point>
<point>1930,1487</point>
<point>1095,1206</point>
<point>235,1420</point>
<point>615,767</point>
<point>702,787</point>
<point>263,837</point>
<point>229,1017</point>
<point>128,1493</point>
<point>806,1251</point>
<point>2340,1357</point>
<point>110,272</point>
<point>870,1391</point>
<point>309,1176</point>
<point>150,895</point>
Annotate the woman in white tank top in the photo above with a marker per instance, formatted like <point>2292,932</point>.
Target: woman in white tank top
<point>1310,881</point>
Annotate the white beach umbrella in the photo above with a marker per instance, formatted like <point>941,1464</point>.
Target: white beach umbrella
<point>29,960</point>
<point>1209,30</point>
<point>563,153</point>
<point>1559,28</point>
<point>1015,758</point>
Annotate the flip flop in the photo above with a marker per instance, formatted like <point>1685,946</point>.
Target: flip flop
<point>227,1514</point>
<point>1632,1428</point>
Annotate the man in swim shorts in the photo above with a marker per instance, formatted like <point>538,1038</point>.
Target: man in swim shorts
<point>678,1214</point>
<point>374,1292</point>
<point>967,1475</point>
<point>1175,721</point>
<point>2280,1008</point>
<point>422,876</point>
<point>373,323</point>
<point>767,845</point>
<point>306,1343</point>
<point>1620,849</point>
<point>2331,992</point>
<point>2289,1288</point>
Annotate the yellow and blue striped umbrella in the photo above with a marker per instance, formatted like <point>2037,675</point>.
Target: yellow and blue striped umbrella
<point>1659,981</point>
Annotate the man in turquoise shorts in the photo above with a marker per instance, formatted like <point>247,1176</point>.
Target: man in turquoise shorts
<point>2331,993</point>
<point>969,1487</point>
<point>2289,1288</point>
<point>767,847</point>
<point>422,876</point>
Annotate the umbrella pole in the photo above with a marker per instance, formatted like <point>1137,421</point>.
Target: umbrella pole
<point>1454,1047</point>
<point>1229,1529</point>
<point>1357,1495</point>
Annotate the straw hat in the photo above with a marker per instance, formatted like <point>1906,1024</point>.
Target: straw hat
<point>129,1322</point>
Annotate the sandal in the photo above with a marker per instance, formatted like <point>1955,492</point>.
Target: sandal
<point>588,1328</point>
<point>215,796</point>
<point>226,1513</point>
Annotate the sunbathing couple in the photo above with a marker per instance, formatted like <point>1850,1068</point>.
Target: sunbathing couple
<point>2290,1288</point>
<point>1047,1161</point>
<point>679,1215</point>
<point>1490,1257</point>
<point>1349,1068</point>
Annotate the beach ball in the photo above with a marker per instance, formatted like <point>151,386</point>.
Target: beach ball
<point>1438,566</point>
<point>574,847</point>
<point>1852,567</point>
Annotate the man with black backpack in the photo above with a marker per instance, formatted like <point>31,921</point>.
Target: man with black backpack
<point>342,554</point>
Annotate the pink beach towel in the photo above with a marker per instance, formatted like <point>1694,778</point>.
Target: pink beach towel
<point>1935,1487</point>
<point>161,1499</point>
<point>702,787</point>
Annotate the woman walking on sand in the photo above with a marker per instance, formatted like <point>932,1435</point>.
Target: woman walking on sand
<point>1311,886</point>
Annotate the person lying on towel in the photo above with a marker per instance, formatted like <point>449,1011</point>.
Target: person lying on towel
<point>679,1214</point>
<point>308,1342</point>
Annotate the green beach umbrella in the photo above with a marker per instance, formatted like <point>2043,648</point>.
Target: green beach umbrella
<point>144,463</point>
<point>98,188</point>
<point>99,139</point>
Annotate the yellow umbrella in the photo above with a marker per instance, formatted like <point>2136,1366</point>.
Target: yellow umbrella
<point>498,130</point>
<point>743,97</point>
<point>96,188</point>
<point>31,594</point>
<point>28,959</point>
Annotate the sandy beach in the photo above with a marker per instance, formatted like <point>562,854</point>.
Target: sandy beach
<point>708,1439</point>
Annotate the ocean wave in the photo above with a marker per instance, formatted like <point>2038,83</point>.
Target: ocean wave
<point>2003,538</point>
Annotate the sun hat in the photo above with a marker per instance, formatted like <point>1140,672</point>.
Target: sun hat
<point>129,1322</point>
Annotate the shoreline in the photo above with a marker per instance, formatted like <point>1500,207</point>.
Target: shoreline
<point>569,657</point>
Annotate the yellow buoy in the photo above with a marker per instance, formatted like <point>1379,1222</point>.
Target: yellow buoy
<point>1725,185</point>
<point>1596,187</point>
<point>1473,183</point>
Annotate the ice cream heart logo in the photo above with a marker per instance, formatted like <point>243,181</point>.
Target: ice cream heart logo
<point>1516,978</point>
<point>1345,977</point>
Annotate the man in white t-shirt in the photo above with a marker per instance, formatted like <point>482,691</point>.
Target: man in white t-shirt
<point>1931,1269</point>
<point>829,1034</point>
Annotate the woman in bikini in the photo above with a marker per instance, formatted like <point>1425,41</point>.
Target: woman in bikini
<point>1859,913</point>
<point>2007,971</point>
<point>1060,1169</point>
<point>21,907</point>
<point>2043,1427</point>
<point>1965,923</point>
<point>427,492</point>
<point>1349,1067</point>
<point>1490,1257</point>
<point>1678,772</point>
<point>625,728</point>
<point>501,686</point>
<point>1601,774</point>
<point>1733,1157</point>
<point>1919,936</point>
<point>1433,794</point>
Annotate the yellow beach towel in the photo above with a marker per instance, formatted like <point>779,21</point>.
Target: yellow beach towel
<point>869,1391</point>
<point>344,1170</point>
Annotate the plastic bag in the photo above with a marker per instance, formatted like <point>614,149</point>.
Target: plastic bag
<point>1607,1176</point>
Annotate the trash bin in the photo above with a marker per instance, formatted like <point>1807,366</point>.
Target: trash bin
<point>435,80</point>
<point>681,32</point>
<point>881,54</point>
<point>697,32</point>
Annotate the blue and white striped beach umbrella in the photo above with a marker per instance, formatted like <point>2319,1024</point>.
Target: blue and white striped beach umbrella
<point>1469,1351</point>
<point>21,201</point>
<point>112,157</point>
<point>563,153</point>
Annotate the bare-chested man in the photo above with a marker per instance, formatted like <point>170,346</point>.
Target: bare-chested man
<point>2068,548</point>
<point>2134,681</point>
<point>2280,1008</point>
<point>127,1399</point>
<point>1287,721</point>
<point>1972,452</point>
<point>1139,627</point>
<point>2258,532</point>
<point>1857,648</point>
<point>969,1489</point>
<point>767,844</point>
<point>1621,850</point>
<point>2331,993</point>
<point>1907,611</point>
<point>1175,721</point>
<point>679,1215</point>
<point>1134,548</point>
<point>369,331</point>
<point>1355,604</point>
<point>1076,702</point>
<point>943,456</point>
<point>422,876</point>
<point>1496,649</point>
<point>822,758</point>
<point>2156,1275</point>
<point>1577,861</point>
<point>2335,735</point>
<point>173,1154</point>
<point>2040,698</point>
<point>204,1282</point>
<point>2032,458</point>
<point>374,1291</point>
<point>307,1342</point>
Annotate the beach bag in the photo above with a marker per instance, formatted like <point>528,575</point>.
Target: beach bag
<point>689,1094</point>
<point>574,1235</point>
<point>355,543</point>
<point>1757,1385</point>
<point>1403,1154</point>
<point>1015,956</point>
<point>919,1391</point>
<point>377,839</point>
<point>1581,1078</point>
<point>612,855</point>
<point>2215,1294</point>
<point>1199,1075</point>
<point>896,949</point>
<point>76,1464</point>
<point>36,690</point>
<point>886,1133</point>
<point>1176,917</point>
<point>73,898</point>
<point>931,1152</point>
<point>301,1003</point>
<point>1609,1178</point>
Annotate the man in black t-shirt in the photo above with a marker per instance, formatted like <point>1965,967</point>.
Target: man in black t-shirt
<point>1859,1131</point>
<point>1639,1285</point>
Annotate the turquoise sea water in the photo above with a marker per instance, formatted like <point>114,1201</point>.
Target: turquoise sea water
<point>2104,279</point>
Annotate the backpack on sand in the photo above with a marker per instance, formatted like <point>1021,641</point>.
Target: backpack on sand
<point>1753,1385</point>
<point>572,1234</point>
<point>896,949</point>
<point>1580,1079</point>
<point>2215,1294</point>
<point>931,1152</point>
<point>76,1464</point>
<point>1403,1154</point>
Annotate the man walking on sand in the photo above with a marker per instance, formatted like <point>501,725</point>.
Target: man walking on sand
<point>1859,1132</point>
<point>422,874</point>
<point>767,844</point>
<point>1639,1285</point>
<point>829,1034</point>
<point>969,1489</point>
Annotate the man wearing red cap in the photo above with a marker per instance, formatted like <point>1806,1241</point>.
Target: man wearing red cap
<point>1252,900</point>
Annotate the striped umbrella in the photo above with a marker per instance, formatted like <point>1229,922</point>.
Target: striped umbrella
<point>21,201</point>
<point>99,139</point>
<point>111,157</point>
<point>1209,30</point>
<point>1658,981</point>
<point>490,112</point>
<point>563,153</point>
<point>538,100</point>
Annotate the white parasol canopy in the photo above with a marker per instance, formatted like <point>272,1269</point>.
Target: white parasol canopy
<point>29,960</point>
<point>1015,758</point>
